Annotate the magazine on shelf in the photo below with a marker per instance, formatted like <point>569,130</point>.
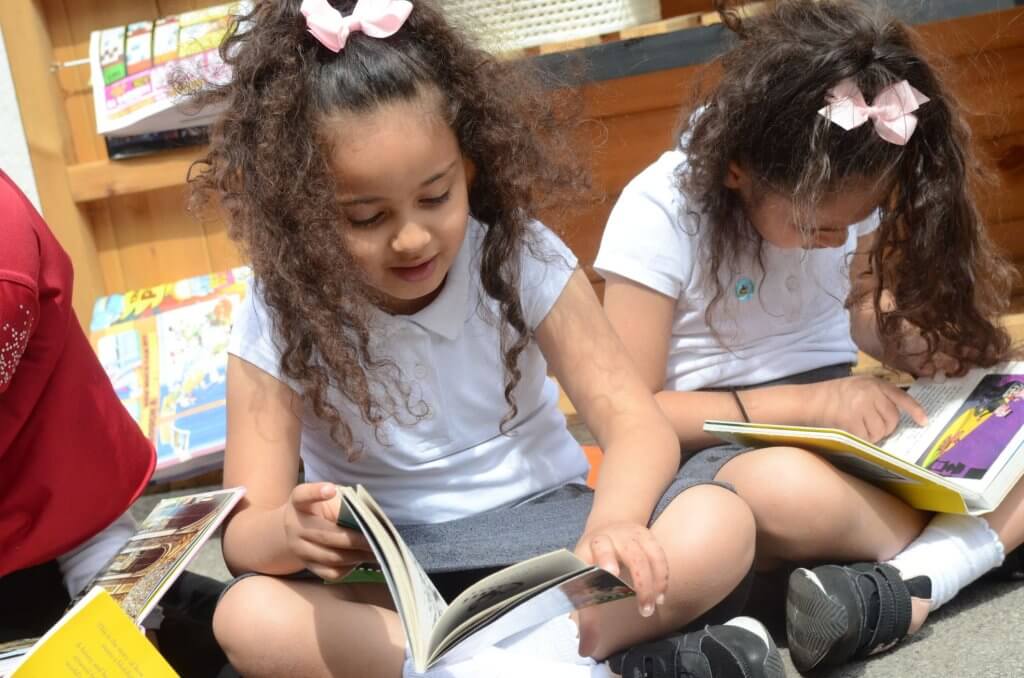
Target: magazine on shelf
<point>132,67</point>
<point>139,574</point>
<point>500,605</point>
<point>165,351</point>
<point>965,460</point>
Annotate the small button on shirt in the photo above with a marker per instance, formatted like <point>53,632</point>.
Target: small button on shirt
<point>775,321</point>
<point>444,457</point>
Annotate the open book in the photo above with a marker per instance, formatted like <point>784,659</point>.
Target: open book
<point>513,599</point>
<point>144,569</point>
<point>964,461</point>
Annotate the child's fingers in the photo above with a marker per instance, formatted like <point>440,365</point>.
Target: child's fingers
<point>312,552</point>
<point>306,495</point>
<point>907,404</point>
<point>603,554</point>
<point>640,576</point>
<point>339,538</point>
<point>657,561</point>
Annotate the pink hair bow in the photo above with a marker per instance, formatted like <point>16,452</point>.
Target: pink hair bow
<point>892,111</point>
<point>375,18</point>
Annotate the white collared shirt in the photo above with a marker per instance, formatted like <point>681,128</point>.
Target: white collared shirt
<point>775,322</point>
<point>454,462</point>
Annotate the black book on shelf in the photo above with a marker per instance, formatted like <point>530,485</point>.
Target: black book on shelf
<point>135,145</point>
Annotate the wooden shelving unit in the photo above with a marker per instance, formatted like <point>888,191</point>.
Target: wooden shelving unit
<point>125,225</point>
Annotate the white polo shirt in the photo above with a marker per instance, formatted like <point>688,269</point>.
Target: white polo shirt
<point>786,318</point>
<point>454,462</point>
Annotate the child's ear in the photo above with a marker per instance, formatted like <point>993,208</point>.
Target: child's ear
<point>736,177</point>
<point>469,167</point>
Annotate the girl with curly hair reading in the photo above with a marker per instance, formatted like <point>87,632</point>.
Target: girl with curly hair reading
<point>382,175</point>
<point>819,201</point>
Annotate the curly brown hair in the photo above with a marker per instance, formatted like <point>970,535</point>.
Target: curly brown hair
<point>763,115</point>
<point>268,163</point>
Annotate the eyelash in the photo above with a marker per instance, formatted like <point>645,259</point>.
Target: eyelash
<point>437,200</point>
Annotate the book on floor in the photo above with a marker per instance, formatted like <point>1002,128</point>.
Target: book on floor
<point>165,349</point>
<point>965,460</point>
<point>139,575</point>
<point>500,605</point>
<point>94,639</point>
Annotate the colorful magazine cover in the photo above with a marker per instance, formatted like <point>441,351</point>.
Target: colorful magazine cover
<point>134,67</point>
<point>165,351</point>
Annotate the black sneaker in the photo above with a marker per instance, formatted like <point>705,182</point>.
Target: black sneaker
<point>1012,568</point>
<point>740,648</point>
<point>835,614</point>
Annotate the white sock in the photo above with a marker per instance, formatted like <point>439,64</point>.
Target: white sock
<point>952,551</point>
<point>548,650</point>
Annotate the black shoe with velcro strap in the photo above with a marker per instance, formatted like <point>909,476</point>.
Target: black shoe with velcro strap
<point>836,613</point>
<point>1012,568</point>
<point>740,648</point>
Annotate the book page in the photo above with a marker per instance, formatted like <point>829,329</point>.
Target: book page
<point>978,418</point>
<point>430,606</point>
<point>504,586</point>
<point>357,515</point>
<point>163,546</point>
<point>418,602</point>
<point>592,586</point>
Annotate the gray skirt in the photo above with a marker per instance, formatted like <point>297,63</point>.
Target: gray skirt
<point>510,534</point>
<point>706,464</point>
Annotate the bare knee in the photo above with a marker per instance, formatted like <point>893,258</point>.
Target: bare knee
<point>805,508</point>
<point>243,622</point>
<point>708,534</point>
<point>793,495</point>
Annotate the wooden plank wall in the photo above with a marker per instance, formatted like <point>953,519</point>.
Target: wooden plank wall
<point>147,238</point>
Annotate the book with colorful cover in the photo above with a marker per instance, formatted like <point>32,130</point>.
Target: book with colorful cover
<point>165,351</point>
<point>133,66</point>
<point>965,460</point>
<point>518,597</point>
<point>134,581</point>
<point>94,639</point>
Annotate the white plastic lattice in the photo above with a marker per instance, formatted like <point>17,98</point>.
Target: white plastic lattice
<point>510,24</point>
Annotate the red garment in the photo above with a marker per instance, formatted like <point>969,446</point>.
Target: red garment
<point>71,458</point>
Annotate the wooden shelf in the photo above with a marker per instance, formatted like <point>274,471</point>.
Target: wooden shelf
<point>107,178</point>
<point>103,179</point>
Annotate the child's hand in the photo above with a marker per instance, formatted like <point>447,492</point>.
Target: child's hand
<point>314,537</point>
<point>867,407</point>
<point>646,568</point>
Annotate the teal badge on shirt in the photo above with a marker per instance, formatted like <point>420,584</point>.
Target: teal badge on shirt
<point>745,289</point>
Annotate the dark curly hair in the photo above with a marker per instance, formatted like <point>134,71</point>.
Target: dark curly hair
<point>268,163</point>
<point>932,253</point>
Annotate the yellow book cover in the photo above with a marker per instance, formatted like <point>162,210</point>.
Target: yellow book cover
<point>966,459</point>
<point>95,639</point>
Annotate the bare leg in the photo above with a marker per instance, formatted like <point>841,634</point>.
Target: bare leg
<point>806,509</point>
<point>708,536</point>
<point>1008,519</point>
<point>276,627</point>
